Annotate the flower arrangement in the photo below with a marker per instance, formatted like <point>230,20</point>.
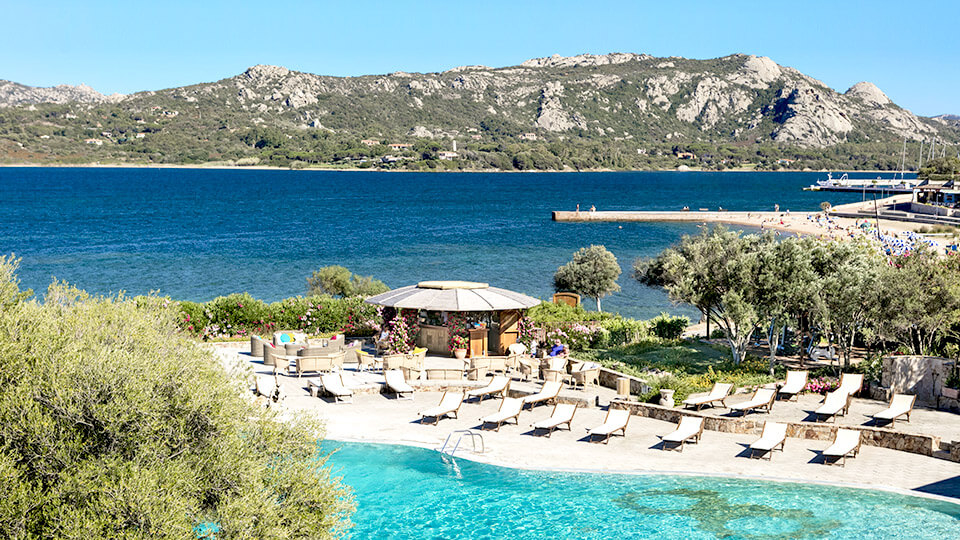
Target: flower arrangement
<point>403,331</point>
<point>822,385</point>
<point>458,342</point>
<point>457,328</point>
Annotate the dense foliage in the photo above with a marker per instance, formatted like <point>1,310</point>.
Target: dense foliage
<point>114,425</point>
<point>240,315</point>
<point>846,291</point>
<point>338,281</point>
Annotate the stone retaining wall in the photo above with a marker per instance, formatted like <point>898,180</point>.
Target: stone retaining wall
<point>753,424</point>
<point>608,378</point>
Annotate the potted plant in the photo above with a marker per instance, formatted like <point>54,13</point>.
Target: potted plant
<point>458,344</point>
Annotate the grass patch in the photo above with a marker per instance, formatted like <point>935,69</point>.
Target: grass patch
<point>690,366</point>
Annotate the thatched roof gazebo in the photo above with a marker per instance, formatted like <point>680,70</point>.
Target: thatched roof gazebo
<point>462,296</point>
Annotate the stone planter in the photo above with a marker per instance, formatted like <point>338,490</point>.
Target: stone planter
<point>666,397</point>
<point>461,354</point>
<point>951,393</point>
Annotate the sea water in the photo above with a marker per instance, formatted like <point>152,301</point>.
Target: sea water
<point>404,492</point>
<point>198,234</point>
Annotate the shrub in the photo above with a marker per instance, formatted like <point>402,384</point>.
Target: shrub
<point>576,336</point>
<point>822,385</point>
<point>548,312</point>
<point>667,327</point>
<point>625,331</point>
<point>125,429</point>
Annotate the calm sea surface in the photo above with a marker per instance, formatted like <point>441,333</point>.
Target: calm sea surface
<point>199,234</point>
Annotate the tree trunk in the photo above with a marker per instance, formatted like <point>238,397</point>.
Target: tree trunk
<point>774,343</point>
<point>598,305</point>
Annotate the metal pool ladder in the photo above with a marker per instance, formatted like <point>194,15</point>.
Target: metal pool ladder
<point>461,433</point>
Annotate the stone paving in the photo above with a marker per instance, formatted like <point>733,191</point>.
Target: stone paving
<point>374,417</point>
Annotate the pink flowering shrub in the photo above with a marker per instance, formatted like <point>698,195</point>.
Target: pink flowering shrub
<point>822,385</point>
<point>457,328</point>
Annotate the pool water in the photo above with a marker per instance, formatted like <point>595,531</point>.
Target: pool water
<point>404,492</point>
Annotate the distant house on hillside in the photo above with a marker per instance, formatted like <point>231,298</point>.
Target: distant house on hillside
<point>369,142</point>
<point>476,137</point>
<point>400,146</point>
<point>447,155</point>
<point>97,142</point>
<point>686,155</point>
<point>528,136</point>
<point>785,161</point>
<point>141,135</point>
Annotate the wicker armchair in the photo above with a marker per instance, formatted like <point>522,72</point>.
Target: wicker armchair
<point>322,364</point>
<point>554,368</point>
<point>477,369</point>
<point>274,356</point>
<point>587,373</point>
<point>256,346</point>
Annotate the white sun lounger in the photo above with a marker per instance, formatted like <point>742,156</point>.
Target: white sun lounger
<point>763,397</point>
<point>901,404</point>
<point>717,393</point>
<point>850,383</point>
<point>834,404</point>
<point>497,385</point>
<point>332,383</point>
<point>846,442</point>
<point>774,435</point>
<point>562,414</point>
<point>509,409</point>
<point>397,384</point>
<point>616,420</point>
<point>550,390</point>
<point>794,384</point>
<point>689,427</point>
<point>449,404</point>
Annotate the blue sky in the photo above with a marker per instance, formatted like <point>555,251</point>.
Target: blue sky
<point>909,49</point>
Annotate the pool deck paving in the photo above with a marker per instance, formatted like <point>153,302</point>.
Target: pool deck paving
<point>375,417</point>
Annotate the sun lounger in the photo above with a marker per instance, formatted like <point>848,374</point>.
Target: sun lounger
<point>774,435</point>
<point>397,384</point>
<point>717,393</point>
<point>550,390</point>
<point>497,385</point>
<point>850,383</point>
<point>835,404</point>
<point>794,385</point>
<point>562,414</point>
<point>509,409</point>
<point>763,397</point>
<point>616,420</point>
<point>689,427</point>
<point>449,404</point>
<point>846,442</point>
<point>901,404</point>
<point>332,383</point>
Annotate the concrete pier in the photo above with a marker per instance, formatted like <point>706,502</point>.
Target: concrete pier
<point>691,216</point>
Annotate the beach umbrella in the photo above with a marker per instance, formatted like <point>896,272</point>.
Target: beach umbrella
<point>453,296</point>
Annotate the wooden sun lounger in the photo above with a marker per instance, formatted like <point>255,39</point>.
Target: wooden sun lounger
<point>851,383</point>
<point>835,404</point>
<point>509,409</point>
<point>562,414</point>
<point>774,435</point>
<point>550,390</point>
<point>499,385</point>
<point>719,393</point>
<point>900,405</point>
<point>333,384</point>
<point>763,397</point>
<point>449,404</point>
<point>846,443</point>
<point>794,384</point>
<point>689,427</point>
<point>616,420</point>
<point>397,384</point>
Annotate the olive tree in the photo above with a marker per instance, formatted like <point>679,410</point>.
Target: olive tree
<point>114,425</point>
<point>338,281</point>
<point>593,272</point>
<point>715,271</point>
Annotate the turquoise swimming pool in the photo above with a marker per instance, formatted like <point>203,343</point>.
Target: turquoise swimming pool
<point>404,492</point>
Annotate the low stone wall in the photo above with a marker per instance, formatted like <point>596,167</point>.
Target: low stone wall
<point>608,379</point>
<point>753,424</point>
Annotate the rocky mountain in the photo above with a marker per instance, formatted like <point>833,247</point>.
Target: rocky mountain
<point>13,94</point>
<point>640,102</point>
